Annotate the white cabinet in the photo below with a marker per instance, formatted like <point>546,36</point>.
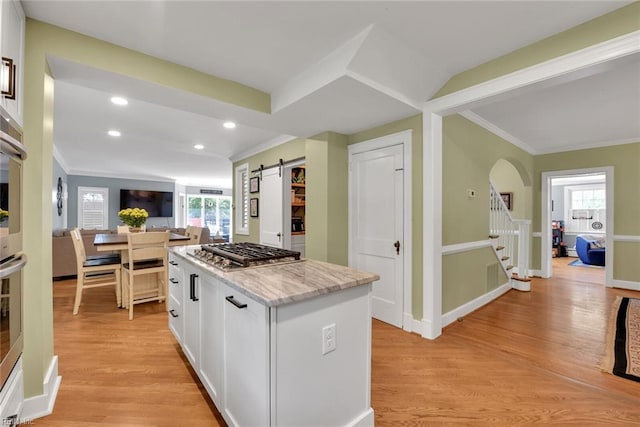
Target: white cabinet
<point>267,366</point>
<point>176,285</point>
<point>12,397</point>
<point>191,314</point>
<point>246,360</point>
<point>12,50</point>
<point>211,338</point>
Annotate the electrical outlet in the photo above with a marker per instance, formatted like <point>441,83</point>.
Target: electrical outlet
<point>329,338</point>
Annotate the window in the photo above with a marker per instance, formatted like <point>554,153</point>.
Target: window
<point>93,205</point>
<point>588,199</point>
<point>213,212</point>
<point>585,208</point>
<point>242,199</point>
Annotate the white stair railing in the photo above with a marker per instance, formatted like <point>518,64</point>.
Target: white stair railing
<point>502,230</point>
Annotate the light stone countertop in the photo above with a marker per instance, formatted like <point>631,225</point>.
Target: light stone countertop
<point>285,283</point>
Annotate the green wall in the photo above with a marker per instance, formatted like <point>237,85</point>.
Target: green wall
<point>42,41</point>
<point>625,160</point>
<point>327,207</point>
<point>415,124</point>
<point>37,223</point>
<point>461,285</point>
<point>606,27</point>
<point>469,152</point>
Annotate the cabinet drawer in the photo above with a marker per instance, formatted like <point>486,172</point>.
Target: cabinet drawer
<point>176,320</point>
<point>175,286</point>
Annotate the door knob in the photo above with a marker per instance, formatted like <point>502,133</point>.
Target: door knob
<point>279,236</point>
<point>397,246</point>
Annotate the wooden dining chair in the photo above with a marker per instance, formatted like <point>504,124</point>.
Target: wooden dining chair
<point>146,255</point>
<point>94,271</point>
<point>195,233</point>
<point>122,229</point>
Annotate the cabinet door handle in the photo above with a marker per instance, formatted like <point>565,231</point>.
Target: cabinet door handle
<point>192,284</point>
<point>10,93</point>
<point>194,298</point>
<point>173,262</point>
<point>234,302</point>
<point>172,313</point>
<point>174,281</point>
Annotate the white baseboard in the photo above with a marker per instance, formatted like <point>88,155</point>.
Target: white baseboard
<point>409,324</point>
<point>42,405</point>
<point>626,284</point>
<point>467,308</point>
<point>364,420</point>
<point>519,285</point>
<point>428,331</point>
<point>535,273</point>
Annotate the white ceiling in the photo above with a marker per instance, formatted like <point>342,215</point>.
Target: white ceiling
<point>340,66</point>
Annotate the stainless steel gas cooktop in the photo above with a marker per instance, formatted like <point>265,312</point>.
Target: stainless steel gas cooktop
<point>228,256</point>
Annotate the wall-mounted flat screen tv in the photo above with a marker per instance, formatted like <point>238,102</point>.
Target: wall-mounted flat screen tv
<point>156,203</point>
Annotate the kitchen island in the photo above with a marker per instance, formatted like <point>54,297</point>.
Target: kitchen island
<point>287,344</point>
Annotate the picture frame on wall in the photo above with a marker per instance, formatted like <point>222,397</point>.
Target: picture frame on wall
<point>253,208</point>
<point>254,185</point>
<point>507,198</point>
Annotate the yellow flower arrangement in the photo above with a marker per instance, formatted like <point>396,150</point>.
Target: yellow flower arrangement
<point>133,217</point>
<point>3,214</point>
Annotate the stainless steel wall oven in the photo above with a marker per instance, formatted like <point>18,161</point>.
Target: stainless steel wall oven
<point>12,260</point>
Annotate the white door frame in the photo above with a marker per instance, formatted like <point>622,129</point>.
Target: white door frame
<point>561,69</point>
<point>403,138</point>
<point>546,218</point>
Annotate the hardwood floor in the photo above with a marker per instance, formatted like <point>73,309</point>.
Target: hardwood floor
<point>526,358</point>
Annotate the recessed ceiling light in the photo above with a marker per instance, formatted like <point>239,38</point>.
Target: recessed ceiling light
<point>114,133</point>
<point>118,100</point>
<point>229,125</point>
<point>198,146</point>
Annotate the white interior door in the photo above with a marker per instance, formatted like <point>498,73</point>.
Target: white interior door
<point>376,186</point>
<point>271,205</point>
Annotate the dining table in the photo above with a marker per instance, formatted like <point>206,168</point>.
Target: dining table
<point>118,242</point>
<point>145,286</point>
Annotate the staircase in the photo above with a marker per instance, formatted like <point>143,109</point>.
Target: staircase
<point>508,235</point>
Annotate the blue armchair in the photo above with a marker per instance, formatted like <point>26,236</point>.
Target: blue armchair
<point>590,249</point>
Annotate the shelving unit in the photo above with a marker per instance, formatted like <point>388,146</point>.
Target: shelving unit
<point>298,208</point>
<point>298,200</point>
<point>558,245</point>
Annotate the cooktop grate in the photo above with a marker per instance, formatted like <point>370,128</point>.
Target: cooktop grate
<point>247,253</point>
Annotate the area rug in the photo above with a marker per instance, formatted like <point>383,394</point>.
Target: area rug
<point>622,345</point>
<point>578,263</point>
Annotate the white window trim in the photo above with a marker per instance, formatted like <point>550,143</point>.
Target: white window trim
<point>241,200</point>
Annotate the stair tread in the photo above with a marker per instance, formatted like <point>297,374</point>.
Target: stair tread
<point>499,248</point>
<point>493,236</point>
<point>509,267</point>
<point>520,279</point>
<point>504,258</point>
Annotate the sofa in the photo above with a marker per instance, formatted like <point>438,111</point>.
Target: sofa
<point>591,249</point>
<point>64,256</point>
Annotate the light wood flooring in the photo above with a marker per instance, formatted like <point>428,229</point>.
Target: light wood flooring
<point>526,358</point>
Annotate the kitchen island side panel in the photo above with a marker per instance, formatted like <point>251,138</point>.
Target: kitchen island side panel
<point>330,389</point>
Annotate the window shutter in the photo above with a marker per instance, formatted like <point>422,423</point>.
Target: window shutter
<point>93,208</point>
<point>242,199</point>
